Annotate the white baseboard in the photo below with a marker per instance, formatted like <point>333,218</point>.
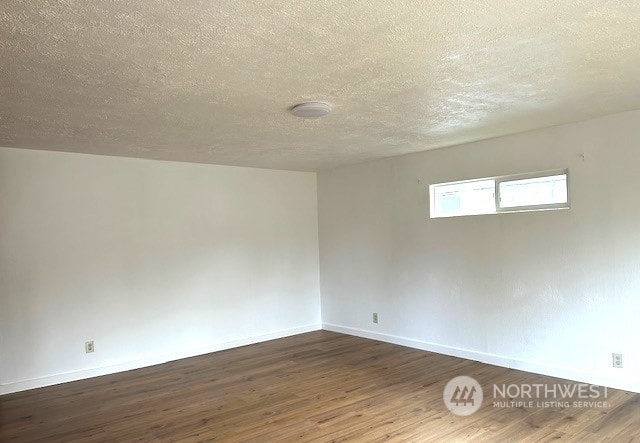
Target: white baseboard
<point>24,385</point>
<point>493,359</point>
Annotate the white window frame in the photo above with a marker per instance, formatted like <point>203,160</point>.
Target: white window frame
<point>542,207</point>
<point>496,193</point>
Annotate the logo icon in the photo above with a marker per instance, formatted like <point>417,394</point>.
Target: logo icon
<point>463,395</point>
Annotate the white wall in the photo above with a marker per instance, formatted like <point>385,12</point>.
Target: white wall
<point>161,260</point>
<point>554,292</point>
<point>152,260</point>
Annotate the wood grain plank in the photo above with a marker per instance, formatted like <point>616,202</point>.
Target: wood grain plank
<point>321,386</point>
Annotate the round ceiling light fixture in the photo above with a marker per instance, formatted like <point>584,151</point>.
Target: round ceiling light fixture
<point>311,109</point>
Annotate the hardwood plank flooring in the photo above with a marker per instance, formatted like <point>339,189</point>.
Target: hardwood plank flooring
<point>315,387</point>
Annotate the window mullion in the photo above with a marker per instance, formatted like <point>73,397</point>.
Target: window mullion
<point>496,194</point>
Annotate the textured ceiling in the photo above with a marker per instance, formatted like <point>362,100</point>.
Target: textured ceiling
<point>210,81</point>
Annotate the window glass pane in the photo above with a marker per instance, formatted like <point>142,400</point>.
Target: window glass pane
<point>475,197</point>
<point>533,191</point>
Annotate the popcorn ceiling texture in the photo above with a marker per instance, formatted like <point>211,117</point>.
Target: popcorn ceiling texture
<point>211,81</point>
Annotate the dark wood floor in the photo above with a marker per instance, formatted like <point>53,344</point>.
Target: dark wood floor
<point>319,386</point>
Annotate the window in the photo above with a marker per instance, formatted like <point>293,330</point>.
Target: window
<point>464,198</point>
<point>528,192</point>
<point>547,190</point>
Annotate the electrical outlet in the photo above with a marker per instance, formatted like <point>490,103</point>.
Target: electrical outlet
<point>617,360</point>
<point>375,317</point>
<point>88,346</point>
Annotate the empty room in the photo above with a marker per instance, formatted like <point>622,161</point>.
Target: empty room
<point>330,221</point>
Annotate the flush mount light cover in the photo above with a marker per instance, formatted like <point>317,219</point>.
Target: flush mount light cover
<point>311,109</point>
